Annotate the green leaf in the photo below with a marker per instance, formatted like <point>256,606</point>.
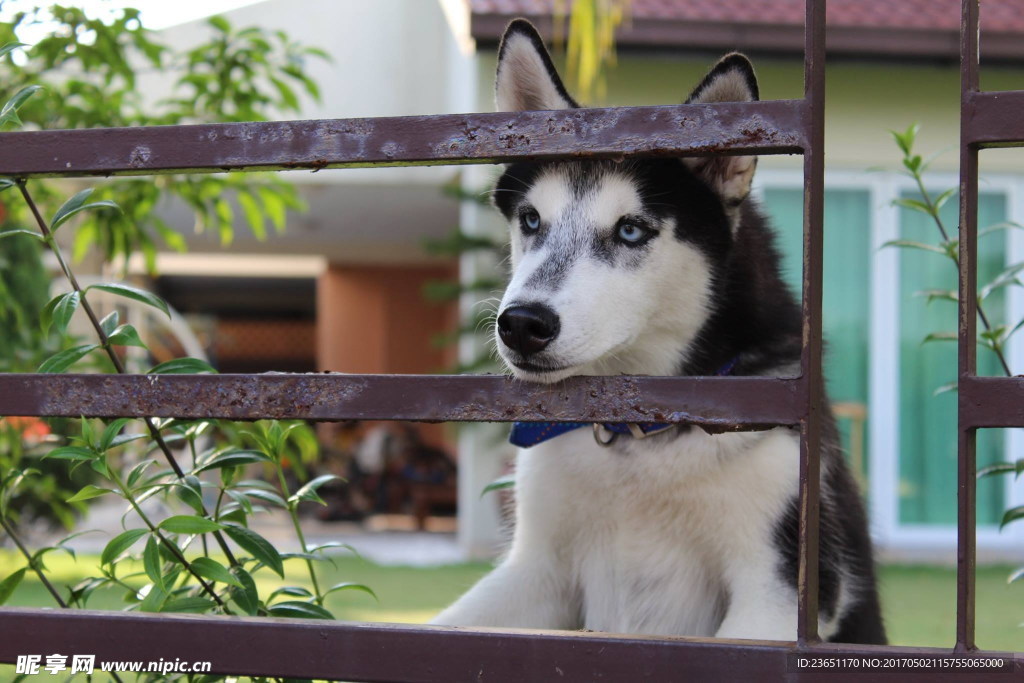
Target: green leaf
<point>58,311</point>
<point>910,244</point>
<point>274,206</point>
<point>308,492</point>
<point>192,604</point>
<point>253,215</point>
<point>500,483</point>
<point>351,587</point>
<point>189,524</point>
<point>299,610</point>
<point>944,197</point>
<point>126,335</point>
<point>154,599</point>
<point>8,585</point>
<point>76,205</point>
<point>87,492</point>
<point>120,543</point>
<point>213,570</point>
<point>1006,278</point>
<point>996,468</point>
<point>246,597</point>
<point>137,472</point>
<point>190,491</point>
<point>938,294</point>
<point>295,591</point>
<point>1006,225</point>
<point>182,366</point>
<point>266,497</point>
<point>259,547</point>
<point>905,140</point>
<point>18,231</point>
<point>7,48</point>
<point>71,453</point>
<point>152,563</point>
<point>1011,515</point>
<point>9,112</point>
<point>940,336</point>
<point>219,23</point>
<point>60,362</point>
<point>109,322</point>
<point>233,458</point>
<point>129,292</point>
<point>111,431</point>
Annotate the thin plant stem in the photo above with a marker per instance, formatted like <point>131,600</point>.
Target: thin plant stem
<point>31,563</point>
<point>114,358</point>
<point>293,513</point>
<point>933,211</point>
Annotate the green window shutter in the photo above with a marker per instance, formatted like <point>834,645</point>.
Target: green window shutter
<point>846,297</point>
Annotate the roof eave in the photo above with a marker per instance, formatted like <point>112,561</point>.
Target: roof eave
<point>853,41</point>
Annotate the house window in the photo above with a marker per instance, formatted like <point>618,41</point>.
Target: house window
<point>880,376</point>
<point>846,300</point>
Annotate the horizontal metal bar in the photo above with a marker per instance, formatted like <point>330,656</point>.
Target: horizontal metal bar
<point>725,403</point>
<point>770,127</point>
<point>395,652</point>
<point>993,119</point>
<point>991,402</point>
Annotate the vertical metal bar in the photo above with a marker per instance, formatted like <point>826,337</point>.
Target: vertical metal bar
<point>968,310</point>
<point>810,361</point>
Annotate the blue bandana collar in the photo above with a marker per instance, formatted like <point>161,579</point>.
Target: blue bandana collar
<point>527,434</point>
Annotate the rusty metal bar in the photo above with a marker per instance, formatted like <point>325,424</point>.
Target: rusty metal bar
<point>993,119</point>
<point>769,127</point>
<point>967,331</point>
<point>428,654</point>
<point>726,403</point>
<point>810,358</point>
<point>991,402</point>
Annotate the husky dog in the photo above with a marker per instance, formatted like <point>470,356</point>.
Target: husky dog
<point>657,267</point>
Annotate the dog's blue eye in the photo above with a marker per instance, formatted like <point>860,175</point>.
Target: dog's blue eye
<point>628,232</point>
<point>530,221</point>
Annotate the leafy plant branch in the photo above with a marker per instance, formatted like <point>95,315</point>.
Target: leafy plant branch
<point>66,304</point>
<point>992,336</point>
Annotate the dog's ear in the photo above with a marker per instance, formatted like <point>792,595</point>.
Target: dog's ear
<point>731,80</point>
<point>526,77</point>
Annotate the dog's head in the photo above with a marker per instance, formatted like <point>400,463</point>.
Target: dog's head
<point>612,262</point>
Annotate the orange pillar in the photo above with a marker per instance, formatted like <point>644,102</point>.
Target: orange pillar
<point>375,319</point>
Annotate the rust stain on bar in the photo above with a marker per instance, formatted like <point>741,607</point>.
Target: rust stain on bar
<point>721,404</point>
<point>769,127</point>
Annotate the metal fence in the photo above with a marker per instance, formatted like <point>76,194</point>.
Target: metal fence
<point>381,652</point>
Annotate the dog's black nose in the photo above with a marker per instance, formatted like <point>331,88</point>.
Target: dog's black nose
<point>528,329</point>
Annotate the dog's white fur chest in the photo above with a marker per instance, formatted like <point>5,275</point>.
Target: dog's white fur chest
<point>648,536</point>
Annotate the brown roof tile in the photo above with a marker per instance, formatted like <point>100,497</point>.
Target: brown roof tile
<point>889,28</point>
<point>997,15</point>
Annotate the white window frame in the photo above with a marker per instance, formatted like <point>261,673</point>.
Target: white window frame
<point>914,541</point>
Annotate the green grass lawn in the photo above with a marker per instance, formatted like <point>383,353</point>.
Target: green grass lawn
<point>919,602</point>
